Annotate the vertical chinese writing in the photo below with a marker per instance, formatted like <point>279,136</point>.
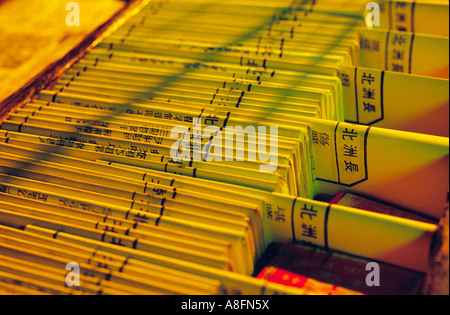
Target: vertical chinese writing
<point>402,16</point>
<point>368,92</point>
<point>309,229</point>
<point>398,58</point>
<point>321,138</point>
<point>350,151</point>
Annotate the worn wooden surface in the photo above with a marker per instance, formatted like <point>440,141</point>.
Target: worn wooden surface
<point>439,275</point>
<point>34,34</point>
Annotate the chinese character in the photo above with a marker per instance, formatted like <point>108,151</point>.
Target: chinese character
<point>397,68</point>
<point>143,129</point>
<point>315,137</point>
<point>324,139</point>
<point>369,93</point>
<point>110,148</point>
<point>369,79</point>
<point>269,212</point>
<point>369,107</point>
<point>43,197</point>
<point>351,167</point>
<point>309,231</point>
<point>401,17</point>
<point>398,54</point>
<point>351,134</point>
<point>60,142</point>
<point>32,195</point>
<point>400,5</point>
<point>399,39</point>
<point>365,43</point>
<point>320,138</point>
<point>4,189</point>
<point>142,154</point>
<point>211,120</point>
<point>120,151</point>
<point>375,45</point>
<point>309,212</point>
<point>131,152</point>
<point>345,79</point>
<point>280,215</point>
<point>350,151</point>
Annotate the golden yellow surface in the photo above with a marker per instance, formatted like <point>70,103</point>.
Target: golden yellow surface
<point>34,34</point>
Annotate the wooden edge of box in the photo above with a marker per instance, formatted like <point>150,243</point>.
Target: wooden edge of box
<point>437,282</point>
